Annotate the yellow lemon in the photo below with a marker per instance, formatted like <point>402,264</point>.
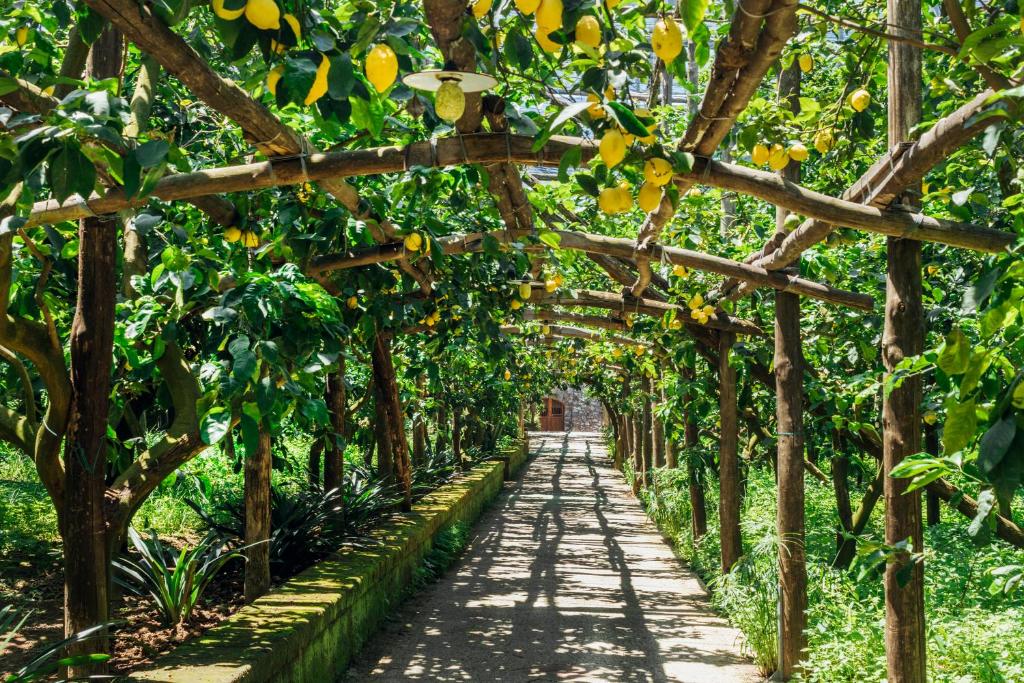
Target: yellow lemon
<point>667,39</point>
<point>545,42</point>
<point>639,349</point>
<point>798,152</point>
<point>559,280</point>
<point>679,271</point>
<point>930,417</point>
<point>588,31</point>
<point>612,148</point>
<point>696,301</point>
<point>550,285</point>
<point>226,14</point>
<point>293,23</point>
<point>616,353</point>
<point>647,139</point>
<point>608,200</point>
<point>778,159</point>
<point>676,324</point>
<point>859,99</point>
<point>932,270</point>
<point>823,141</point>
<point>806,63</point>
<point>595,109</point>
<point>250,239</point>
<point>549,15</point>
<point>527,6</point>
<point>263,14</point>
<point>413,241</point>
<point>21,36</point>
<point>649,197</point>
<point>481,8</point>
<point>612,4</point>
<point>525,290</point>
<point>759,155</point>
<point>319,87</point>
<point>381,67</point>
<point>545,330</point>
<point>449,102</point>
<point>516,304</point>
<point>232,234</point>
<point>708,311</point>
<point>508,375</point>
<point>629,320</point>
<point>657,171</point>
<point>273,77</point>
<point>352,302</point>
<point>624,196</point>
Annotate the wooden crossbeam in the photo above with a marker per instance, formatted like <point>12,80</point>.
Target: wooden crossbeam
<point>899,169</point>
<point>626,304</point>
<point>567,332</point>
<point>265,131</point>
<point>620,248</point>
<point>577,319</point>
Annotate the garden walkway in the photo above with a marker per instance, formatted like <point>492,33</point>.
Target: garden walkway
<point>565,579</point>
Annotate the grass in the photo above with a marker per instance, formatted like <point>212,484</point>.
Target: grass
<point>973,635</point>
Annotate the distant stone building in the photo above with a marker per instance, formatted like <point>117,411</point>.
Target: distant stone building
<point>570,410</point>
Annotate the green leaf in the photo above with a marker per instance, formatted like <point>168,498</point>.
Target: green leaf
<point>692,13</point>
<point>151,153</point>
<point>215,425</point>
<point>588,183</point>
<point>628,120</point>
<point>995,443</point>
<point>954,354</point>
<point>961,422</point>
<point>518,50</point>
<point>570,159</point>
<point>340,77</point>
<point>71,172</point>
<point>550,238</point>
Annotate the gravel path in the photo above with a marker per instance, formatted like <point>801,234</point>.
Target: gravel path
<point>564,580</point>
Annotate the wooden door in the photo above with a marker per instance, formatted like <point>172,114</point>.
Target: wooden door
<point>552,416</point>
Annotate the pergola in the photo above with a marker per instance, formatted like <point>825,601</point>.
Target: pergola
<point>882,201</point>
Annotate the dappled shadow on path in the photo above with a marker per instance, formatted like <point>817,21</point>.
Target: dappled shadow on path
<point>565,579</point>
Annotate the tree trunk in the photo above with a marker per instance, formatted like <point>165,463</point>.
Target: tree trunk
<point>728,457</point>
<point>789,371</point>
<point>83,522</point>
<point>902,337</point>
<point>441,438</point>
<point>841,488</point>
<point>848,546</point>
<point>932,501</point>
<point>334,448</point>
<point>257,518</point>
<point>457,436</point>
<point>671,453</point>
<point>691,438</point>
<point>419,426</point>
<point>382,437</point>
<point>316,452</point>
<point>647,434</point>
<point>637,432</point>
<point>394,418</point>
<point>659,438</point>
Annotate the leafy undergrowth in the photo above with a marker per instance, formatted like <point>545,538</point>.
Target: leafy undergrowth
<point>449,543</point>
<point>973,634</point>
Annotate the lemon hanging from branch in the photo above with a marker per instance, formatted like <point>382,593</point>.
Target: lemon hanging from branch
<point>549,15</point>
<point>273,78</point>
<point>588,31</point>
<point>859,99</point>
<point>527,6</point>
<point>612,148</point>
<point>650,196</point>
<point>319,87</point>
<point>545,42</point>
<point>224,13</point>
<point>667,39</point>
<point>263,14</point>
<point>481,8</point>
<point>381,67</point>
<point>657,171</point>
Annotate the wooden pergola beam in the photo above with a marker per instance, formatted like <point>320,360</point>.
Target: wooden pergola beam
<point>618,302</point>
<point>567,332</point>
<point>898,169</point>
<point>577,319</point>
<point>619,248</point>
<point>490,148</point>
<point>266,132</point>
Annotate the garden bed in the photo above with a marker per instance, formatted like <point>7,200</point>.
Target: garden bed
<point>309,628</point>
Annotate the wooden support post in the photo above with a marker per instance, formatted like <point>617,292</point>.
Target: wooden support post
<point>257,468</point>
<point>659,436</point>
<point>932,501</point>
<point>334,445</point>
<point>789,372</point>
<point>698,505</point>
<point>647,432</point>
<point>390,411</point>
<point>728,457</point>
<point>419,424</point>
<point>83,522</point>
<point>902,337</point>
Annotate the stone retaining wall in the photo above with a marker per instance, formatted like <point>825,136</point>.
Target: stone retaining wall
<point>308,629</point>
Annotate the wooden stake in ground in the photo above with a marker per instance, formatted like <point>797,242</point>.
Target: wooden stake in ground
<point>698,506</point>
<point>728,457</point>
<point>258,466</point>
<point>902,337</point>
<point>83,520</point>
<point>789,372</point>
